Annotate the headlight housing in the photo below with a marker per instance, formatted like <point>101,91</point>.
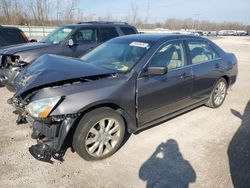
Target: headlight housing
<point>42,108</point>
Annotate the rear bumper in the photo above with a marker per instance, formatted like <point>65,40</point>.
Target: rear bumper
<point>233,80</point>
<point>233,74</point>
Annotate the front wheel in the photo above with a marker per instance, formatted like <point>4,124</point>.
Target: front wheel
<point>218,94</point>
<point>99,134</point>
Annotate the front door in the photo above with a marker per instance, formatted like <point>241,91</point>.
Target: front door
<point>160,95</point>
<point>84,40</point>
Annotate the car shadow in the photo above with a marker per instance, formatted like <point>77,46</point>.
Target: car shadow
<point>167,168</point>
<point>239,151</point>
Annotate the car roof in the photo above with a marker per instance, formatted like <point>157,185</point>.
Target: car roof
<point>157,37</point>
<point>99,23</point>
<point>9,27</point>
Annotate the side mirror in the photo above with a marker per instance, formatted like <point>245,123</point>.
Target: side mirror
<point>156,70</point>
<point>71,43</point>
<point>33,40</point>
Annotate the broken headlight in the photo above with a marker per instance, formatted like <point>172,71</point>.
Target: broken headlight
<point>42,108</point>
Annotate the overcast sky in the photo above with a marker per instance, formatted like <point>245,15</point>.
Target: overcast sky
<point>159,10</point>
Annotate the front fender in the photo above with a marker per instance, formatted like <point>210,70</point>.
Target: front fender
<point>116,92</point>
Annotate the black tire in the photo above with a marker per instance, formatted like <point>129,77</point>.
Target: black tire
<point>83,130</point>
<point>211,102</point>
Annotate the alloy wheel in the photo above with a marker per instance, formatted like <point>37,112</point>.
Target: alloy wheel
<point>103,137</point>
<point>219,93</point>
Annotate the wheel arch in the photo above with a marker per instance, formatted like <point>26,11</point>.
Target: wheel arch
<point>130,124</point>
<point>227,79</point>
<point>129,121</point>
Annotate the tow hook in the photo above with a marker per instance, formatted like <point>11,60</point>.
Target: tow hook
<point>43,152</point>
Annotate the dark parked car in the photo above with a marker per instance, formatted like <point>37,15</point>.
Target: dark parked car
<point>124,85</point>
<point>11,36</point>
<point>69,40</point>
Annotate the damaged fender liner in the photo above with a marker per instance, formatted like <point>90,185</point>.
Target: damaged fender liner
<point>51,146</point>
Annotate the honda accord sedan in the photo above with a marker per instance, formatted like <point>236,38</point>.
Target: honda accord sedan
<point>122,86</point>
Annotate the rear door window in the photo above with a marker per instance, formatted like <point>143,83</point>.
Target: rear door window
<point>11,36</point>
<point>201,52</point>
<point>127,30</point>
<point>107,33</point>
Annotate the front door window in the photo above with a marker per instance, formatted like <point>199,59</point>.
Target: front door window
<point>171,56</point>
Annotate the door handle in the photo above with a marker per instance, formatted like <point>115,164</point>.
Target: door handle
<point>217,65</point>
<point>185,75</point>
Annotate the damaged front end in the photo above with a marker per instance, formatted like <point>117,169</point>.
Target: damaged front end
<point>50,132</point>
<point>50,94</point>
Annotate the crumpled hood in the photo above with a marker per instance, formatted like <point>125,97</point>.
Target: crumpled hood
<point>13,49</point>
<point>54,69</point>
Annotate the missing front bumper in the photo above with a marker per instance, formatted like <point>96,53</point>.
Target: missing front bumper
<point>51,140</point>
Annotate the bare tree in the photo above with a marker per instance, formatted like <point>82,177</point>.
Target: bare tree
<point>70,11</point>
<point>5,9</point>
<point>133,13</point>
<point>147,13</point>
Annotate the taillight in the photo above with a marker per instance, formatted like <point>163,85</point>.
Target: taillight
<point>24,37</point>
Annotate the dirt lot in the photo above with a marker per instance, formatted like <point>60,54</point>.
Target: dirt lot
<point>202,148</point>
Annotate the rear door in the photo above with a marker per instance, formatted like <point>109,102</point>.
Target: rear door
<point>128,30</point>
<point>84,40</point>
<point>206,66</point>
<point>160,95</point>
<point>107,32</point>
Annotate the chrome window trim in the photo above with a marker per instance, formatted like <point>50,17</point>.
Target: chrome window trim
<point>191,65</point>
<point>186,57</point>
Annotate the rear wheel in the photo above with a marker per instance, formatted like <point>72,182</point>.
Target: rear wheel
<point>99,134</point>
<point>218,94</point>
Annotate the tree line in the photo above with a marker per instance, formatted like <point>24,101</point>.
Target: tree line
<point>37,12</point>
<point>57,12</point>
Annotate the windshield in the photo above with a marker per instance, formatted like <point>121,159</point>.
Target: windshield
<point>57,35</point>
<point>117,55</point>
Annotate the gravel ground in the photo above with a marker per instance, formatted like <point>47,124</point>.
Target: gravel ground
<point>202,148</point>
